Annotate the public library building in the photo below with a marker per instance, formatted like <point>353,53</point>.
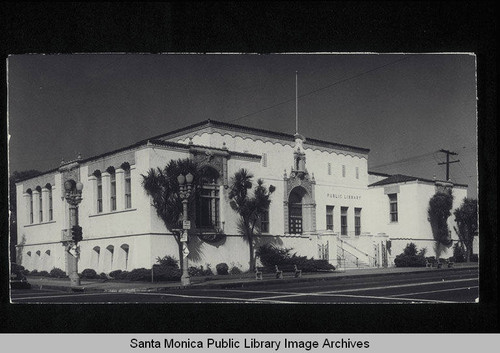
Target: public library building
<point>326,203</point>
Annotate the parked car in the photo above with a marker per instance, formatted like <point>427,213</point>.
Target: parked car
<point>17,279</point>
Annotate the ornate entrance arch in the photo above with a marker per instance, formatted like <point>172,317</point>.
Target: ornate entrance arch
<point>300,209</point>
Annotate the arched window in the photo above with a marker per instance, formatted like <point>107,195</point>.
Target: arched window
<point>40,204</point>
<point>125,249</point>
<point>111,250</point>
<point>30,192</point>
<point>207,203</point>
<point>295,221</point>
<point>94,258</point>
<point>112,179</point>
<point>98,176</point>
<point>128,185</point>
<point>51,212</point>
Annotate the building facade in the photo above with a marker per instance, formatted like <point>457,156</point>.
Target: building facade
<point>325,205</point>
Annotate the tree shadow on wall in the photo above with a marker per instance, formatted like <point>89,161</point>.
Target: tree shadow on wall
<point>197,241</point>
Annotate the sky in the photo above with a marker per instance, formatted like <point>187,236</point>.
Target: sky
<point>403,107</point>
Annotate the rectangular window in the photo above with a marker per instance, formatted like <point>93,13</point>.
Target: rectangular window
<point>99,194</point>
<point>329,217</point>
<point>207,208</point>
<point>113,191</point>
<point>264,222</point>
<point>357,221</point>
<point>128,189</point>
<point>343,220</point>
<point>393,207</point>
<point>264,159</point>
<point>329,169</point>
<point>343,171</point>
<point>357,172</point>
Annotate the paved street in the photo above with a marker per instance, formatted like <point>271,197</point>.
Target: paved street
<point>459,286</point>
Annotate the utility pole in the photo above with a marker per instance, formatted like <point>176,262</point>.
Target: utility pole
<point>448,162</point>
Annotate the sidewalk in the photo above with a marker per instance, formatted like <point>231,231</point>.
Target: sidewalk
<point>229,281</point>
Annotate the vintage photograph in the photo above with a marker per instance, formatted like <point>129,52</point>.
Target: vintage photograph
<point>332,178</point>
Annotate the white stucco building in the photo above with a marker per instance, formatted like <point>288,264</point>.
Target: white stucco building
<point>326,203</point>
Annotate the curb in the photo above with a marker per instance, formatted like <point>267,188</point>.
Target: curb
<point>272,281</point>
<point>243,283</point>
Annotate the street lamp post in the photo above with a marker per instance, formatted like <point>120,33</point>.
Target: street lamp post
<point>185,185</point>
<point>73,196</point>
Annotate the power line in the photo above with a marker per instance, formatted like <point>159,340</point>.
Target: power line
<point>319,89</point>
<point>408,159</point>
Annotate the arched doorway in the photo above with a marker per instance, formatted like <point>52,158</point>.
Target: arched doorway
<point>295,220</point>
<point>300,212</point>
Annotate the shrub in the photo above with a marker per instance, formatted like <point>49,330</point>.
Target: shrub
<point>474,258</point>
<point>122,275</point>
<point>166,269</point>
<point>313,265</point>
<point>459,253</point>
<point>222,269</point>
<point>410,250</point>
<point>102,275</point>
<point>57,273</point>
<point>166,273</point>
<point>139,274</point>
<point>15,268</point>
<point>115,274</point>
<point>34,273</point>
<point>235,270</point>
<point>199,271</point>
<point>410,257</point>
<point>208,271</point>
<point>89,273</point>
<point>271,256</point>
<point>168,261</point>
<point>44,274</point>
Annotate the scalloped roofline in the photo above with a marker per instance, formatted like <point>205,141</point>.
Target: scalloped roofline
<point>261,132</point>
<point>220,124</point>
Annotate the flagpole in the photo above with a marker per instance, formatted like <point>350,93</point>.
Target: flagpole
<point>296,103</point>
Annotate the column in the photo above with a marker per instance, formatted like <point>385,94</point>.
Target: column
<point>92,191</point>
<point>36,206</point>
<point>120,189</point>
<point>135,190</point>
<point>45,204</point>
<point>106,192</point>
<point>26,207</point>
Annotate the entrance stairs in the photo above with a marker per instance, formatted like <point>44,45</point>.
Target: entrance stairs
<point>351,257</point>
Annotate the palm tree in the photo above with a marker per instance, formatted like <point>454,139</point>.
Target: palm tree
<point>163,188</point>
<point>250,208</point>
